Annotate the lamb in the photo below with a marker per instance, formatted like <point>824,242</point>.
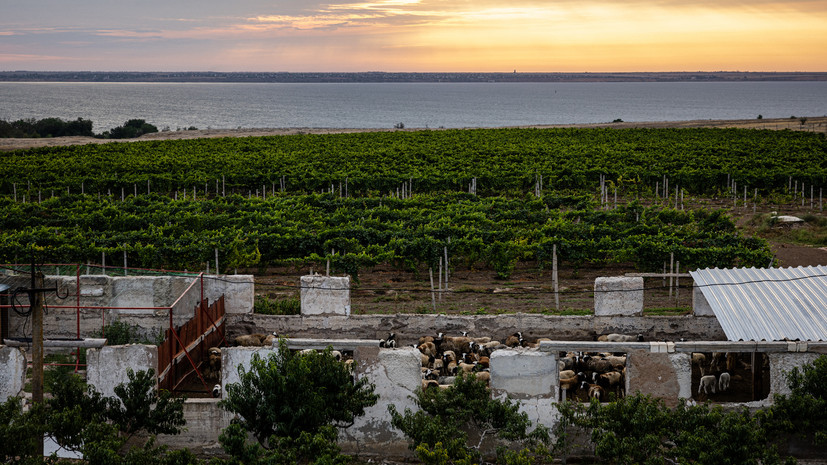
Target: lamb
<point>723,382</point>
<point>708,383</point>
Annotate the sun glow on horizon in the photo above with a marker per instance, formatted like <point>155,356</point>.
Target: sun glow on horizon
<point>431,35</point>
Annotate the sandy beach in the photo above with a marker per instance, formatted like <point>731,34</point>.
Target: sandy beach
<point>814,124</point>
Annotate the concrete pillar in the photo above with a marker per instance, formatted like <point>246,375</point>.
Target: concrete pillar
<point>618,296</point>
<point>325,295</point>
<point>396,375</point>
<point>107,366</point>
<point>661,374</point>
<point>530,377</point>
<point>700,306</point>
<point>12,372</point>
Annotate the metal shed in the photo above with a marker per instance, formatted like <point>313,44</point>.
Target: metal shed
<point>767,304</point>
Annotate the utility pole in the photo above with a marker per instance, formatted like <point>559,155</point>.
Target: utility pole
<point>36,297</point>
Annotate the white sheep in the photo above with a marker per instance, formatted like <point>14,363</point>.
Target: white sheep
<point>708,383</point>
<point>723,382</point>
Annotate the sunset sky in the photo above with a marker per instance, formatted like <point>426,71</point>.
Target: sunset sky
<point>414,35</point>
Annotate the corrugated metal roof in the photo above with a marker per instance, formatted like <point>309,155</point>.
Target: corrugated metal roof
<point>767,304</point>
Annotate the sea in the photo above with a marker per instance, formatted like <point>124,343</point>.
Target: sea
<point>175,106</point>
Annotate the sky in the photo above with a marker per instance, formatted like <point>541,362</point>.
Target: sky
<point>414,35</point>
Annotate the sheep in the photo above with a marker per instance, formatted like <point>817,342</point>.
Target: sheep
<point>466,367</point>
<point>617,362</point>
<point>390,342</point>
<point>429,384</point>
<point>708,383</point>
<point>723,382</point>
<point>565,363</point>
<point>270,339</point>
<point>609,379</point>
<point>597,392</point>
<point>438,365</point>
<point>336,354</point>
<point>426,360</point>
<point>515,340</point>
<point>614,337</point>
<point>216,390</point>
<point>451,368</point>
<point>449,356</point>
<point>213,369</point>
<point>568,379</point>
<point>459,344</point>
<point>428,348</point>
<point>249,340</point>
<point>483,376</point>
<point>484,362</point>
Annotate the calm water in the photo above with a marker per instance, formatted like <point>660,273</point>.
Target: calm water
<point>372,105</point>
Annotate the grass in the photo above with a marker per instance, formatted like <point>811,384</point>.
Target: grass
<point>667,311</point>
<point>264,306</point>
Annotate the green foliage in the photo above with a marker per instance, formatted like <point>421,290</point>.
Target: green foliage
<point>439,429</point>
<point>80,419</point>
<point>317,448</point>
<point>289,401</point>
<point>140,407</point>
<point>131,129</point>
<point>47,127</point>
<point>265,306</point>
<point>802,412</point>
<point>19,430</point>
<point>119,333</point>
<point>640,429</point>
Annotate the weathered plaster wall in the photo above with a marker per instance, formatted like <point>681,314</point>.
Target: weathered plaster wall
<point>107,367</point>
<point>325,295</point>
<point>618,295</point>
<point>12,372</point>
<point>137,295</point>
<point>409,328</point>
<point>700,306</point>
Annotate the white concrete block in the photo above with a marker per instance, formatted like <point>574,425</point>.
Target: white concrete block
<point>522,373</point>
<point>325,295</point>
<point>234,357</point>
<point>618,295</point>
<point>700,306</point>
<point>107,367</point>
<point>12,372</point>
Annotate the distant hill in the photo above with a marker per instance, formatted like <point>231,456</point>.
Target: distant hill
<point>207,76</point>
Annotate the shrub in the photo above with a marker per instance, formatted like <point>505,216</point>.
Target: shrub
<point>439,430</point>
<point>290,402</point>
<point>265,306</point>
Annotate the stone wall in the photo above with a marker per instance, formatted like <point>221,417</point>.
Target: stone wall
<point>409,328</point>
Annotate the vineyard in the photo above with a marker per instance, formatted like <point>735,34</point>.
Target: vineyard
<point>485,198</point>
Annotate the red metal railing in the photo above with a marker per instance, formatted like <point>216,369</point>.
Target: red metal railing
<point>185,348</point>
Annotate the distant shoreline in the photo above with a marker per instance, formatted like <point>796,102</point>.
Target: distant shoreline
<point>813,124</point>
<point>400,77</point>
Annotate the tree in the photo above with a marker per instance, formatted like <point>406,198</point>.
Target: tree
<point>81,419</point>
<point>19,430</point>
<point>130,129</point>
<point>291,403</point>
<point>802,412</point>
<point>439,429</point>
<point>641,429</point>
